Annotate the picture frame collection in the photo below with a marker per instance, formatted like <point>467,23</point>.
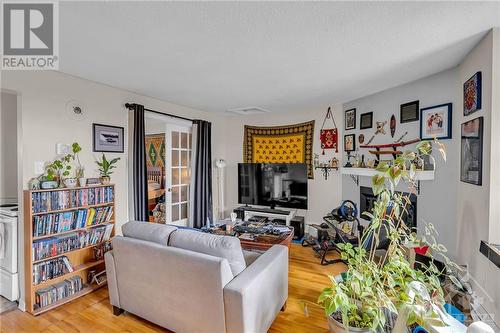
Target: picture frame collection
<point>436,122</point>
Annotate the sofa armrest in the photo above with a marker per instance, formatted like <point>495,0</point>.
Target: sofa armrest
<point>254,297</point>
<point>114,297</point>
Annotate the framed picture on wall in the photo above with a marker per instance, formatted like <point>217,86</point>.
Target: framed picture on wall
<point>366,120</point>
<point>408,112</point>
<point>471,154</point>
<point>435,122</point>
<point>349,142</point>
<point>107,138</point>
<point>350,119</point>
<point>472,94</point>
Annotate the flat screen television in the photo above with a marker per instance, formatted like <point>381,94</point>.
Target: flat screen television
<point>269,184</point>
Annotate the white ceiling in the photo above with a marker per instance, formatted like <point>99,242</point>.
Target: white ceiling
<point>280,56</point>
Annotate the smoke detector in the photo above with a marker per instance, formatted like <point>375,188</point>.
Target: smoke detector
<point>248,110</point>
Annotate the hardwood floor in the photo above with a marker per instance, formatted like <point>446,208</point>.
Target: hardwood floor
<point>93,313</point>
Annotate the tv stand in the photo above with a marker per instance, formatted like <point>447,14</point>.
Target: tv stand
<point>246,212</point>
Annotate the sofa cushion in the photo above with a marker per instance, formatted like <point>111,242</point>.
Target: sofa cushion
<point>251,256</point>
<point>147,231</point>
<point>215,245</point>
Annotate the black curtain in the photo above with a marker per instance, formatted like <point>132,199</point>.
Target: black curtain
<point>201,170</point>
<point>139,166</point>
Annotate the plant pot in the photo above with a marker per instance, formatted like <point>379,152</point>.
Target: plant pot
<point>70,182</point>
<point>337,327</point>
<point>105,180</point>
<point>82,181</point>
<point>49,184</point>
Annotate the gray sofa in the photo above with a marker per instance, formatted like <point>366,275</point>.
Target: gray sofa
<point>188,281</point>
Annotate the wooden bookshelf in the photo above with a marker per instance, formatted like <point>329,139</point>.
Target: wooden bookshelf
<point>79,258</point>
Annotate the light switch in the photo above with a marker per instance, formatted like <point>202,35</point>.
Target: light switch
<point>39,167</point>
<point>62,149</point>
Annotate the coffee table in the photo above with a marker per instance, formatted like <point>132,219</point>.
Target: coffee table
<point>260,242</point>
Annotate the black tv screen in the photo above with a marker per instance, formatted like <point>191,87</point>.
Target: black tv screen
<point>266,184</point>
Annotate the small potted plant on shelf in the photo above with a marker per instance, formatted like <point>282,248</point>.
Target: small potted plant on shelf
<point>80,171</point>
<point>105,168</point>
<point>384,293</point>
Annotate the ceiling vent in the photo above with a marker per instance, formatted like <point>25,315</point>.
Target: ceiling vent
<point>247,111</point>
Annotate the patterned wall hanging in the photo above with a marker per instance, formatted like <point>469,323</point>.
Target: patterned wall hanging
<point>280,144</point>
<point>155,150</point>
<point>329,136</point>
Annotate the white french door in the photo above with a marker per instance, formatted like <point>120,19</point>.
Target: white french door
<point>178,173</point>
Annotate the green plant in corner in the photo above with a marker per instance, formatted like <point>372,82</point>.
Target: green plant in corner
<point>105,168</point>
<point>384,293</point>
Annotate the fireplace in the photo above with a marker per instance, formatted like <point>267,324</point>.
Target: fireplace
<point>366,200</point>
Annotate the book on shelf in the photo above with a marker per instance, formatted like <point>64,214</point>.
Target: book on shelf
<point>53,246</point>
<point>51,269</point>
<point>71,198</point>
<point>51,294</point>
<point>53,223</point>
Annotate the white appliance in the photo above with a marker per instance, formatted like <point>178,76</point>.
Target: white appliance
<point>9,278</point>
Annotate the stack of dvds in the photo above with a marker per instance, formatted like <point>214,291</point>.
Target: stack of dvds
<point>58,200</point>
<point>54,223</point>
<point>58,291</point>
<point>51,269</point>
<point>53,246</point>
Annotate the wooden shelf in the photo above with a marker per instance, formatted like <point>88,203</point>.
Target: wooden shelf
<point>86,290</point>
<point>367,172</point>
<point>79,258</point>
<point>72,230</point>
<point>74,208</point>
<point>69,189</point>
<point>76,270</point>
<point>65,253</point>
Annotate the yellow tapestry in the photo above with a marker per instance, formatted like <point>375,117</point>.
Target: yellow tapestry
<point>280,144</point>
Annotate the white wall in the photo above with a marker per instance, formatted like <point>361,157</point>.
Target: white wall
<point>477,212</point>
<point>437,201</point>
<point>8,147</point>
<point>323,195</point>
<point>44,123</point>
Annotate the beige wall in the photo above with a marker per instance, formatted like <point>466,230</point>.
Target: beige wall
<point>477,206</point>
<point>44,122</point>
<point>323,194</point>
<point>8,147</point>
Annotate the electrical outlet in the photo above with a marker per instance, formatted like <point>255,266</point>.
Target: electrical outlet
<point>39,167</point>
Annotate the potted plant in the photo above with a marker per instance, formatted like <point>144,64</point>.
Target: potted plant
<point>59,169</point>
<point>105,168</point>
<point>80,171</point>
<point>384,293</point>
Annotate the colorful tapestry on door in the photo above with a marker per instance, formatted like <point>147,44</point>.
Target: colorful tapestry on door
<point>280,144</point>
<point>155,150</point>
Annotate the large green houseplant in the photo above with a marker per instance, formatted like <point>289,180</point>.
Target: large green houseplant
<point>384,293</point>
<point>106,168</point>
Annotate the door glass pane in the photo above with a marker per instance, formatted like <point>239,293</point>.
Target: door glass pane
<point>184,211</point>
<point>175,194</point>
<point>175,177</point>
<point>175,139</point>
<point>175,213</point>
<point>184,176</point>
<point>184,158</point>
<point>184,193</point>
<point>184,140</point>
<point>190,141</point>
<point>175,158</point>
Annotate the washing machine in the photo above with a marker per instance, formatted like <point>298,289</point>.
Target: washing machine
<point>9,277</point>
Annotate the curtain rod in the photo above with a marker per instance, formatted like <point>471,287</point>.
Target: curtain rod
<point>131,107</point>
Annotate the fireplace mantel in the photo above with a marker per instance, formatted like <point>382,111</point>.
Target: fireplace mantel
<point>355,173</point>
